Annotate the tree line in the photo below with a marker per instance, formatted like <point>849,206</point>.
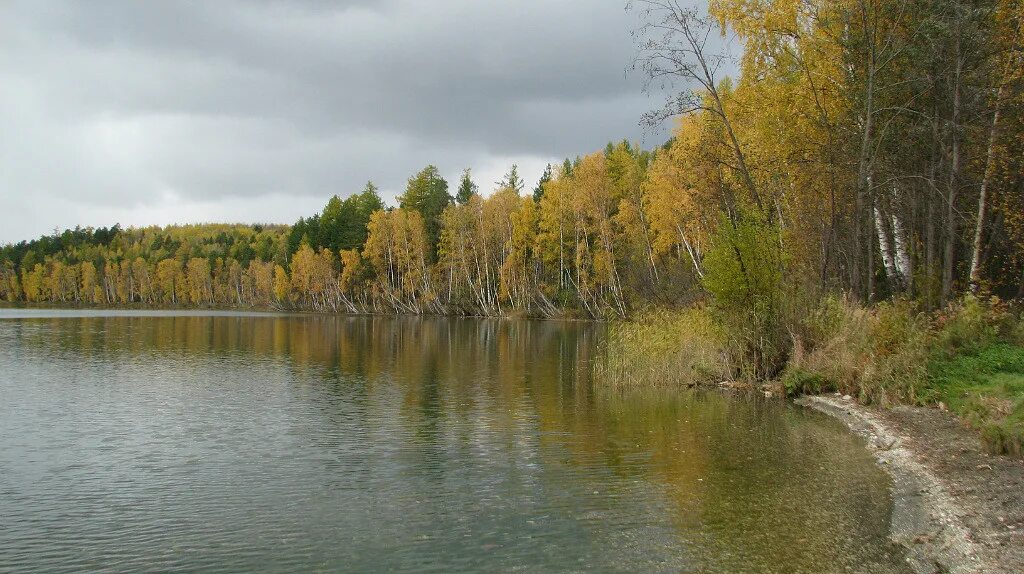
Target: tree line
<point>873,147</point>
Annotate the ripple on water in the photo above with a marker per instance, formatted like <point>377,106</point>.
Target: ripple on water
<point>293,443</point>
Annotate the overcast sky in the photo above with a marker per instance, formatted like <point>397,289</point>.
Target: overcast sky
<point>257,111</point>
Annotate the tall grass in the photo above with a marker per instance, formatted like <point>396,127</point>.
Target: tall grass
<point>661,348</point>
<point>876,354</point>
<point>968,358</point>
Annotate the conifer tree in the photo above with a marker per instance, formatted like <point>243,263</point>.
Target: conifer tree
<point>466,188</point>
<point>427,193</point>
<point>538,192</point>
<point>511,180</point>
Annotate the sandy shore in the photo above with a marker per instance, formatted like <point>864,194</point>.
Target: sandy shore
<point>955,507</point>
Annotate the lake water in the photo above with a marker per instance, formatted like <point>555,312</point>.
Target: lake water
<point>275,443</point>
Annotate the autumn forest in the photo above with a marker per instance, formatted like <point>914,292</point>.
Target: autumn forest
<point>871,147</point>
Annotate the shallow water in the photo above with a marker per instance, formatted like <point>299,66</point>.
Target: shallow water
<point>273,443</point>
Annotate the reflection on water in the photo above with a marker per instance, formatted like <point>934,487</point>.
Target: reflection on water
<point>281,443</point>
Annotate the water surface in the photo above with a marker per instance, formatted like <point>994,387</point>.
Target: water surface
<point>228,443</point>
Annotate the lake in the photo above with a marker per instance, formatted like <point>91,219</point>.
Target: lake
<point>228,442</point>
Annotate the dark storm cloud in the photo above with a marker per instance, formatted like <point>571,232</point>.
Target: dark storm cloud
<point>130,104</point>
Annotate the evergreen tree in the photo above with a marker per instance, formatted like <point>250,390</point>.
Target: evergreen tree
<point>358,209</point>
<point>466,188</point>
<point>333,220</point>
<point>303,228</point>
<point>511,180</point>
<point>538,192</point>
<point>427,193</point>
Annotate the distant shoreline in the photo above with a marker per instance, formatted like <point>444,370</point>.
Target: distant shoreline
<point>139,310</point>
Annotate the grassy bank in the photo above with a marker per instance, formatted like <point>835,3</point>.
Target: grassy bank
<point>968,359</point>
<point>985,388</point>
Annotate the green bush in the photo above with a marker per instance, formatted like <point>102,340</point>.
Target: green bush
<point>797,381</point>
<point>743,275</point>
<point>1016,333</point>
<point>1003,438</point>
<point>968,325</point>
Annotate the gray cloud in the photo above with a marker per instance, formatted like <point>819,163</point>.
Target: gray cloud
<point>141,111</point>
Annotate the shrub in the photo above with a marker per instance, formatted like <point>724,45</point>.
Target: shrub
<point>1002,439</point>
<point>797,381</point>
<point>743,274</point>
<point>877,355</point>
<point>968,325</point>
<point>1016,333</point>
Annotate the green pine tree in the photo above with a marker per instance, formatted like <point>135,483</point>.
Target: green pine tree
<point>427,193</point>
<point>511,179</point>
<point>538,192</point>
<point>466,188</point>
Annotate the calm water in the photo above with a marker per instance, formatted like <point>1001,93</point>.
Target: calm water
<point>235,443</point>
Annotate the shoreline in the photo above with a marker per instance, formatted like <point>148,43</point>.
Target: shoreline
<point>283,311</point>
<point>955,507</point>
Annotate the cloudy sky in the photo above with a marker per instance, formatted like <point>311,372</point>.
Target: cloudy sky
<point>257,111</point>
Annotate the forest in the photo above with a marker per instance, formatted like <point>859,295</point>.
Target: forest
<point>866,147</point>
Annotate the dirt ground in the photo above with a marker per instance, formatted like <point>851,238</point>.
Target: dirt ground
<point>957,508</point>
